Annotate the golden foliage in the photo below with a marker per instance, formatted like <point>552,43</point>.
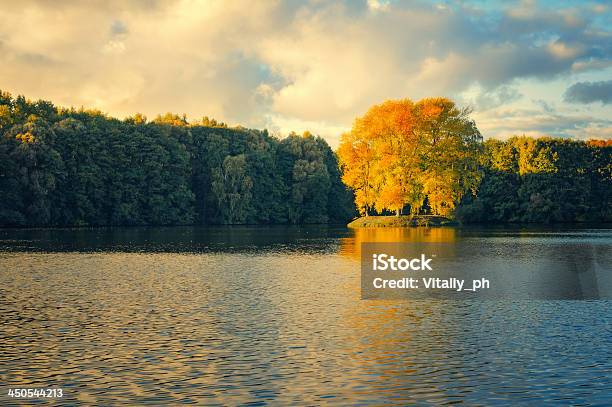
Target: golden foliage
<point>25,137</point>
<point>400,152</point>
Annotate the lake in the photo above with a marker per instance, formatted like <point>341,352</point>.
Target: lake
<point>274,315</point>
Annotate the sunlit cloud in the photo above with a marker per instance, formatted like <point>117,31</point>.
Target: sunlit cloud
<point>316,64</point>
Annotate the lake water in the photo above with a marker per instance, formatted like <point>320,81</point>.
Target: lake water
<point>250,315</point>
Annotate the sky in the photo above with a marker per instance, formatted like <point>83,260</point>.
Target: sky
<point>534,68</point>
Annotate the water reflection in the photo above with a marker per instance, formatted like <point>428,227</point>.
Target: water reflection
<point>273,315</point>
<point>184,239</point>
<point>351,245</point>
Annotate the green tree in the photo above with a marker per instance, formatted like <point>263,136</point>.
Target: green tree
<point>232,188</point>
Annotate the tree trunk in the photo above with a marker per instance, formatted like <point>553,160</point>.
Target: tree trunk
<point>398,212</point>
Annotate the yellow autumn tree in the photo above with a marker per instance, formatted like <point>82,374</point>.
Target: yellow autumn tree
<point>415,151</point>
<point>388,132</point>
<point>453,144</point>
<point>357,160</point>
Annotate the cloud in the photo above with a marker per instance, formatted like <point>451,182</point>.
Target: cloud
<point>585,66</point>
<point>289,65</point>
<point>118,27</point>
<point>590,92</point>
<point>508,122</point>
<point>378,5</point>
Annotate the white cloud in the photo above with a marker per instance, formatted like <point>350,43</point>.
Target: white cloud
<point>315,65</point>
<point>378,5</point>
<point>114,47</point>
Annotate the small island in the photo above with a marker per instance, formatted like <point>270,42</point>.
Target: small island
<point>401,221</point>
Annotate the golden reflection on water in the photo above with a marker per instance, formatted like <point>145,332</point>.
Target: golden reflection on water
<point>374,324</point>
<point>351,246</point>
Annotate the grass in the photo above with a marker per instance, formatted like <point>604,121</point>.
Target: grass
<point>400,221</point>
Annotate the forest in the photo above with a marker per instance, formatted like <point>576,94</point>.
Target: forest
<point>69,167</point>
<point>428,157</point>
<point>76,167</point>
<point>544,180</point>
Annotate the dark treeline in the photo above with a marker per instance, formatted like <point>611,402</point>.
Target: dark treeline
<point>61,167</point>
<point>67,167</point>
<point>542,180</point>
